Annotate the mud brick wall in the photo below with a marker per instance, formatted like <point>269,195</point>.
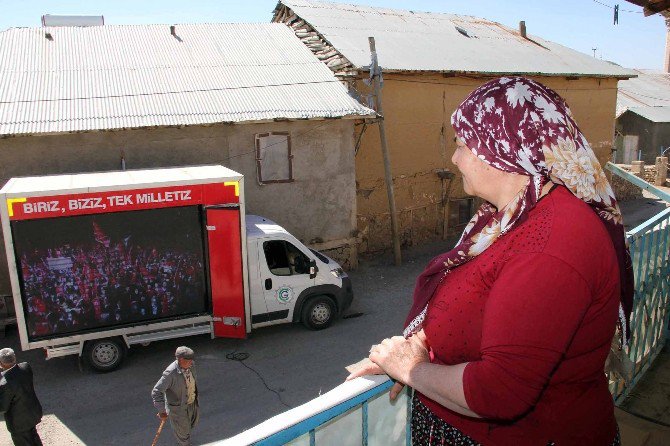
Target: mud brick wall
<point>625,190</point>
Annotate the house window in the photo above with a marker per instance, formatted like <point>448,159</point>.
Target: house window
<point>284,259</point>
<point>273,157</point>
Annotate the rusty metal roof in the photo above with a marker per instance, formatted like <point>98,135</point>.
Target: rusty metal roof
<point>418,41</point>
<point>69,79</point>
<point>647,95</point>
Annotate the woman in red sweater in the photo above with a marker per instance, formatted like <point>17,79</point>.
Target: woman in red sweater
<point>509,331</point>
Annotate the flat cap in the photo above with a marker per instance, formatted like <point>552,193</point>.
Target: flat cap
<point>184,352</point>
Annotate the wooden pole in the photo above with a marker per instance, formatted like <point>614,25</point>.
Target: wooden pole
<point>376,72</point>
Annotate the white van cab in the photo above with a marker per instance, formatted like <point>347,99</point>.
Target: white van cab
<point>289,282</point>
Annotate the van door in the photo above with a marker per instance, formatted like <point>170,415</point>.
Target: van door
<point>285,274</point>
<point>224,243</point>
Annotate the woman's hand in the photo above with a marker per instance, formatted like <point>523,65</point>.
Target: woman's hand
<point>367,367</point>
<point>397,356</point>
<point>362,368</point>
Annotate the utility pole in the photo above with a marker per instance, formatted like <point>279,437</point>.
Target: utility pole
<point>594,51</point>
<point>375,73</point>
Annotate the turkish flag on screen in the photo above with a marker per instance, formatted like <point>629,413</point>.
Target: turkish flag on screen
<point>100,236</point>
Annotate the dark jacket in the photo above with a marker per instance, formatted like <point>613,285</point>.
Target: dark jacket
<point>18,400</point>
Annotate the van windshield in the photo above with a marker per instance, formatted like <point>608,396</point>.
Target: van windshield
<point>321,257</point>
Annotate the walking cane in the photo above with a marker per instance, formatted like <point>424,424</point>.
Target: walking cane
<point>158,432</point>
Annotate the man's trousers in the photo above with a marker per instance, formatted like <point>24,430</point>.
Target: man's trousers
<point>182,420</point>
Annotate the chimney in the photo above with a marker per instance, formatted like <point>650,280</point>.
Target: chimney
<point>522,29</point>
<point>172,30</point>
<point>666,64</point>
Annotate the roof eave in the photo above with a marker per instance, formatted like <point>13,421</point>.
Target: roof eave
<point>209,124</point>
<point>502,73</point>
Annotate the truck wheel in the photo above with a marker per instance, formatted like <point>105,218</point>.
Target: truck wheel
<point>318,312</point>
<point>104,355</point>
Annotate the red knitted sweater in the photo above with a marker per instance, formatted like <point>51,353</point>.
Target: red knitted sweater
<point>533,316</point>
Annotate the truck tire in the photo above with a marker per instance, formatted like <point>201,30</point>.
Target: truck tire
<point>104,355</point>
<point>318,312</point>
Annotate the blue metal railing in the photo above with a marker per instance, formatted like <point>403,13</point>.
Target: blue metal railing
<point>355,413</point>
<point>649,246</point>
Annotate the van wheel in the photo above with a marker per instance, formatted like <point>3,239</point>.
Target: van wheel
<point>104,355</point>
<point>318,313</point>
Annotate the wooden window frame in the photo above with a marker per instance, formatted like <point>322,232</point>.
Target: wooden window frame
<point>259,169</point>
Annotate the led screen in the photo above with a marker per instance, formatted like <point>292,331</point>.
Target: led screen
<point>95,272</point>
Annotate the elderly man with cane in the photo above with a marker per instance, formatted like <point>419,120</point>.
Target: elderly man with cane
<point>175,395</point>
<point>18,401</point>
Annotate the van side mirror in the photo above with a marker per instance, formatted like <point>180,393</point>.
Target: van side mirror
<point>313,269</point>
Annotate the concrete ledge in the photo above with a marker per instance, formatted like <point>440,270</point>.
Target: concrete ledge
<point>637,431</point>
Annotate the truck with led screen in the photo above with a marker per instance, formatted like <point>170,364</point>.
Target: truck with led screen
<point>100,262</point>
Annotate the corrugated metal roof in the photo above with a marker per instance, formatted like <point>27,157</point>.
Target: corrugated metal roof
<point>407,40</point>
<point>654,114</point>
<point>68,79</point>
<point>649,90</point>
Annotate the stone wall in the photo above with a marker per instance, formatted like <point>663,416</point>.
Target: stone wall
<point>625,190</point>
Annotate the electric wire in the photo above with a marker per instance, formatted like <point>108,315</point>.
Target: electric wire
<point>631,93</point>
<point>240,357</point>
<point>620,10</point>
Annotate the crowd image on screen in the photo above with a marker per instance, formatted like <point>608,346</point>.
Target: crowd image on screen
<point>73,287</point>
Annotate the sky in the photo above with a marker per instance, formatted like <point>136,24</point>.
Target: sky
<point>584,25</point>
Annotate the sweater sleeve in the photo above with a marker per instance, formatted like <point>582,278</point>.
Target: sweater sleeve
<point>533,311</point>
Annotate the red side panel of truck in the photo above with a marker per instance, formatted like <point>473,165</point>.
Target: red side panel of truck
<point>224,240</point>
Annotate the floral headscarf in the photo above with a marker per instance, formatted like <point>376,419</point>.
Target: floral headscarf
<point>518,125</point>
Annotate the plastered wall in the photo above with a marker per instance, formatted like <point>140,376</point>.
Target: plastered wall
<point>318,207</point>
<point>417,109</point>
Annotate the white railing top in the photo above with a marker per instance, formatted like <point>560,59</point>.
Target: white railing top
<point>340,394</point>
<point>652,222</point>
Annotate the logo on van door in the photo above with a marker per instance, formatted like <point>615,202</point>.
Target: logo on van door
<point>284,294</point>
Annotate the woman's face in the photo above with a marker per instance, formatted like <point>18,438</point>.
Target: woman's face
<point>476,173</point>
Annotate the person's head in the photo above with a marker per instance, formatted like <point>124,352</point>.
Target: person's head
<point>480,178</point>
<point>184,356</point>
<point>7,358</point>
<point>520,127</point>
